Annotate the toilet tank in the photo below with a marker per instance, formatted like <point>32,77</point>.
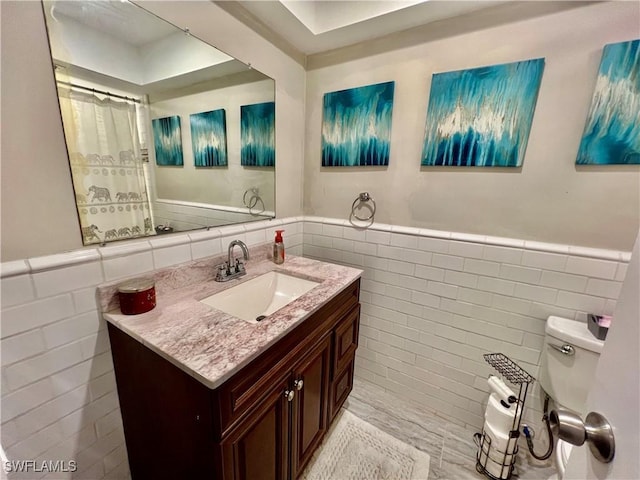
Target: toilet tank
<point>568,378</point>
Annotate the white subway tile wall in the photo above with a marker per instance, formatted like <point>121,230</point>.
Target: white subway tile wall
<point>59,399</point>
<point>434,302</point>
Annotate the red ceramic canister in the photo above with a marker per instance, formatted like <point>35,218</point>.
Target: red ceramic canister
<point>137,296</point>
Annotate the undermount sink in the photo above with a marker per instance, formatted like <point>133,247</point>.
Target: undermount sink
<point>261,296</point>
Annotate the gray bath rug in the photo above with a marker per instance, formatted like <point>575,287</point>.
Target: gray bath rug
<point>356,450</point>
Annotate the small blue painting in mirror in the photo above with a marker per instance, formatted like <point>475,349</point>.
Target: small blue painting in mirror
<point>612,132</point>
<point>209,138</point>
<point>481,117</point>
<point>356,126</point>
<point>167,139</point>
<point>257,135</point>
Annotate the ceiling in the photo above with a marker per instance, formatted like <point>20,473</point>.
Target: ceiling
<point>308,30</point>
<point>314,26</point>
<point>319,32</point>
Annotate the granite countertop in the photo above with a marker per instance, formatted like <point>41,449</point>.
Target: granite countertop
<point>209,344</point>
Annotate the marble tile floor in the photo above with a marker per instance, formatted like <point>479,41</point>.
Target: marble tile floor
<point>450,446</point>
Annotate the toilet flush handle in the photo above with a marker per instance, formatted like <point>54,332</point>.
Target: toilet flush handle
<point>565,349</point>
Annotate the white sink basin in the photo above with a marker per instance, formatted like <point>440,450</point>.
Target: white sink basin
<point>260,296</point>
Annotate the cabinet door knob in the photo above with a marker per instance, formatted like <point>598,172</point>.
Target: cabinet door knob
<point>298,384</point>
<point>289,394</point>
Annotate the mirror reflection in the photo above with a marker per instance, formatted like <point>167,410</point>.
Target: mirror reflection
<point>164,132</point>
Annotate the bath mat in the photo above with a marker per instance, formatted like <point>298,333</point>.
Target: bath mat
<point>356,450</point>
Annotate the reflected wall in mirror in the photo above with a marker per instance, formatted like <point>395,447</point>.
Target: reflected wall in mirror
<point>118,70</point>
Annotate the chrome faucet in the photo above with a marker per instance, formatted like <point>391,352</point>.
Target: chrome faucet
<point>245,250</point>
<point>234,267</point>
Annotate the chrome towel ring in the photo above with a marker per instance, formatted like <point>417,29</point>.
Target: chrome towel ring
<point>253,200</point>
<point>363,198</point>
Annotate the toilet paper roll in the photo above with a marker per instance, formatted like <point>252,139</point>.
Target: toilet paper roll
<point>499,416</point>
<point>496,453</point>
<point>496,468</point>
<point>501,444</point>
<point>504,393</point>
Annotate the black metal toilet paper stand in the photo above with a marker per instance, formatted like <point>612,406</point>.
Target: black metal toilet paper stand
<point>497,464</point>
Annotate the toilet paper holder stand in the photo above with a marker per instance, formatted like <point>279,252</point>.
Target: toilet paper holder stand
<point>491,461</point>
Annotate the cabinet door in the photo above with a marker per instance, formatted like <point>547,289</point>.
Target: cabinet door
<point>344,351</point>
<point>346,340</point>
<point>310,407</point>
<point>258,449</point>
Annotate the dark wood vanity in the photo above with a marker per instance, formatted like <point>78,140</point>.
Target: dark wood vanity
<point>264,422</point>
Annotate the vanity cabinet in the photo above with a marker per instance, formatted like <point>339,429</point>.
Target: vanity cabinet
<point>283,431</point>
<point>265,422</point>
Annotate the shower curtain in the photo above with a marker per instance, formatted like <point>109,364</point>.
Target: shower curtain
<point>106,167</point>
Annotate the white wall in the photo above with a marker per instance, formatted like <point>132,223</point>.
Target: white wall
<point>38,211</point>
<point>37,196</point>
<point>76,44</point>
<point>549,198</point>
<point>216,185</point>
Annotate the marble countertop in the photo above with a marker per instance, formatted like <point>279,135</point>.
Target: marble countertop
<point>209,344</point>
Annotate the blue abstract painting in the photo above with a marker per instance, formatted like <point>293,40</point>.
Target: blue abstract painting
<point>209,138</point>
<point>257,135</point>
<point>481,116</point>
<point>167,139</point>
<point>612,133</point>
<point>356,126</point>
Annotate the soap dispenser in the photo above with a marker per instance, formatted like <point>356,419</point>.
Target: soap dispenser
<point>278,248</point>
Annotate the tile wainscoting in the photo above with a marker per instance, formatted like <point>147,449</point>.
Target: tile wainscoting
<point>59,398</point>
<point>433,303</point>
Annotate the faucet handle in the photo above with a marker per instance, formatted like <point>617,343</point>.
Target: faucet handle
<point>239,265</point>
<point>222,272</point>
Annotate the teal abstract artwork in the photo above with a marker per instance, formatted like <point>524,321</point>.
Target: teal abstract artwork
<point>356,126</point>
<point>612,132</point>
<point>481,117</point>
<point>167,139</point>
<point>257,135</point>
<point>209,138</point>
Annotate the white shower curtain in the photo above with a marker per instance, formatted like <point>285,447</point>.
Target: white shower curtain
<point>107,171</point>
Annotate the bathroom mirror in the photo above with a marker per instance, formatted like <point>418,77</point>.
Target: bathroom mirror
<point>165,133</point>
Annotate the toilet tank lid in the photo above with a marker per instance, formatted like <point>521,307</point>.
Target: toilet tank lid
<point>574,332</point>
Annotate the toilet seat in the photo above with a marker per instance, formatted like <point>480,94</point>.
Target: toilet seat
<point>563,450</point>
<point>561,456</point>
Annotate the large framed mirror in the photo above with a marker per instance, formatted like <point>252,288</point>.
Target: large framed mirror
<point>165,133</point>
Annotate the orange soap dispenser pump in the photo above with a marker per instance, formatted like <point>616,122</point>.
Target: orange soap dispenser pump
<point>278,248</point>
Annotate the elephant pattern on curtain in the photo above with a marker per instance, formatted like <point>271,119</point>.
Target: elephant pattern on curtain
<point>106,167</point>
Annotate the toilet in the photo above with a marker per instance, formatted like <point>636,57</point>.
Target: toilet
<point>569,358</point>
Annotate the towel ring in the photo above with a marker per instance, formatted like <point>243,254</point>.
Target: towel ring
<point>254,199</point>
<point>364,197</point>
